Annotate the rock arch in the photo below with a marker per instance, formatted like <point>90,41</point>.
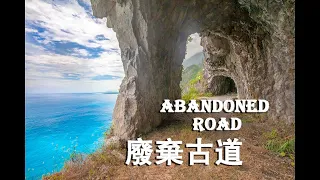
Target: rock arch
<point>221,60</point>
<point>221,85</point>
<point>256,42</point>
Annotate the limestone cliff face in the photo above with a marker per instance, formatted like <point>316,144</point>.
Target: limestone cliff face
<point>260,59</point>
<point>251,42</point>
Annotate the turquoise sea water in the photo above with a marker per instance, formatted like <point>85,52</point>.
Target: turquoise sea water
<point>58,124</point>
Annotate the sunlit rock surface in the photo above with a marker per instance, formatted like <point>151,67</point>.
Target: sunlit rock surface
<point>251,42</point>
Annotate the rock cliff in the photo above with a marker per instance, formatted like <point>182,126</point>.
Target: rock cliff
<point>250,41</point>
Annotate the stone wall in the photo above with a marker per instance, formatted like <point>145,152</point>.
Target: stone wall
<point>250,42</point>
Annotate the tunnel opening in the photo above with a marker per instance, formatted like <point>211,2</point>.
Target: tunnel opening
<point>222,85</point>
<point>192,84</point>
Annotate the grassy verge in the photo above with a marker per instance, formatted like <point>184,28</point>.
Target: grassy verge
<point>259,140</point>
<point>283,146</point>
<point>277,137</point>
<point>103,162</point>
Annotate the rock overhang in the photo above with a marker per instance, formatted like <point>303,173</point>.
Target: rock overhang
<point>245,41</point>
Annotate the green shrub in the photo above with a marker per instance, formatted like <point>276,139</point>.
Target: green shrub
<point>285,147</point>
<point>191,94</point>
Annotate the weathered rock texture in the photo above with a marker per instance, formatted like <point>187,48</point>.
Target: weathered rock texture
<point>250,41</point>
<point>220,85</point>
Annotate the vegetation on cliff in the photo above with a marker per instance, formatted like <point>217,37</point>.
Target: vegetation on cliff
<point>192,86</point>
<point>189,74</point>
<point>196,59</point>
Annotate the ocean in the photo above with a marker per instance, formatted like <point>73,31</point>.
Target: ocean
<point>58,124</point>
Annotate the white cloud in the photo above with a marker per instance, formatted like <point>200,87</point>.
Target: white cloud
<point>33,49</point>
<point>70,86</point>
<point>194,46</point>
<point>30,30</point>
<point>106,64</point>
<point>68,22</point>
<point>82,52</point>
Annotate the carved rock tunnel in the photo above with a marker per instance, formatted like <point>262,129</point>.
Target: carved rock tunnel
<point>221,85</point>
<point>254,48</point>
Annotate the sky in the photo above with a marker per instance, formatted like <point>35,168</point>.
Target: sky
<point>68,50</point>
<point>194,46</point>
